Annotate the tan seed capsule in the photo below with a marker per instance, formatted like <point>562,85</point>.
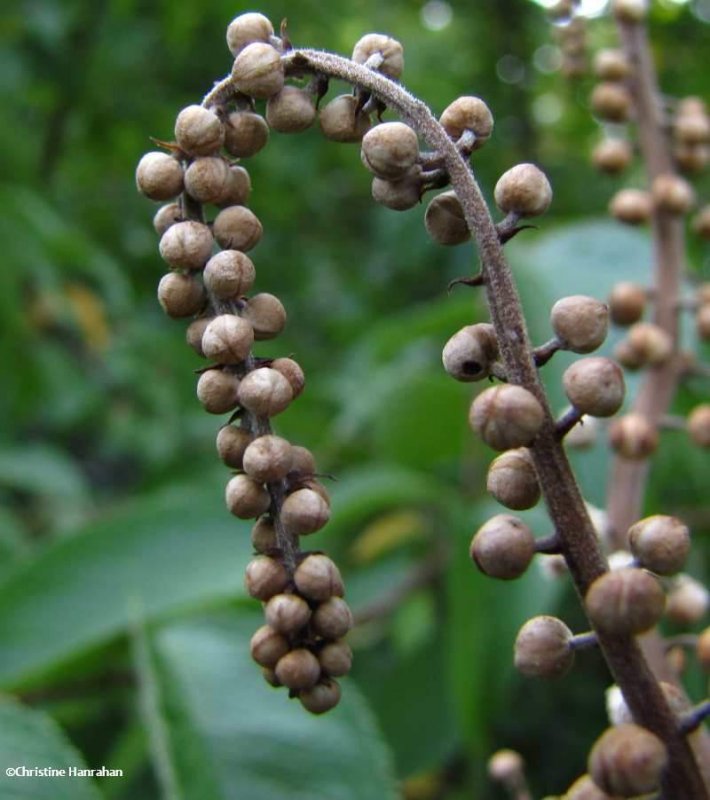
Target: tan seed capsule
<point>186,245</point>
<point>194,333</point>
<point>238,187</point>
<point>400,195</point>
<point>322,697</point>
<point>198,131</point>
<point>227,339</point>
<point>691,159</point>
<point>287,613</point>
<point>342,121</point>
<point>611,65</point>
<point>468,114</point>
<point>229,274</point>
<point>237,228</point>
<point>512,480</point>
<point>595,386</point>
<point>631,206</point>
<point>611,101</point>
<point>627,760</point>
<point>159,176</point>
<point>298,669</point>
<point>524,190</point>
<point>444,220</point>
<point>672,194</point>
<point>627,601</point>
<point>166,216</point>
<point>231,444</point>
<point>246,498</point>
<point>503,547</point>
<point>584,788</point>
<point>506,767</point>
<point>630,10</point>
<point>268,458</point>
<point>470,353</point>
<point>629,358</point>
<point>318,578</point>
<point>584,434</point>
<point>291,110</point>
<point>332,619</point>
<point>247,28</point>
<point>660,543</point>
<point>263,535</point>
<point>245,134</point>
<point>699,425</point>
<point>702,650</point>
<point>207,179</point>
<point>627,302</point>
<point>702,321</point>
<point>542,648</point>
<point>217,391</point>
<point>692,129</point>
<point>265,577</point>
<point>633,436</point>
<point>268,646</point>
<point>580,323</point>
<point>180,295</point>
<point>269,675</point>
<point>688,601</point>
<point>266,314</point>
<point>303,461</point>
<point>336,659</point>
<point>701,224</point>
<point>258,71</point>
<point>651,343</point>
<point>265,392</point>
<point>506,416</point>
<point>389,49</point>
<point>304,511</point>
<point>293,373</point>
<point>612,156</point>
<point>390,150</point>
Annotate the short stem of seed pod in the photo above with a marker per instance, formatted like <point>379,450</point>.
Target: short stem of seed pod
<point>544,352</point>
<point>672,422</point>
<point>694,718</point>
<point>584,641</point>
<point>476,280</point>
<point>434,160</point>
<point>434,179</point>
<point>549,545</point>
<point>688,640</point>
<point>567,421</point>
<point>687,304</point>
<point>696,371</point>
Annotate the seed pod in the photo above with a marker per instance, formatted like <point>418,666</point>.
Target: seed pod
<point>400,195</point>
<point>198,131</point>
<point>625,354</point>
<point>611,65</point>
<point>627,760</point>
<point>584,788</point>
<point>231,444</point>
<point>159,176</point>
<point>660,543</point>
<point>265,392</point>
<point>612,155</point>
<point>688,601</point>
<point>444,220</point>
<point>580,323</point>
<point>469,354</point>
<point>336,659</point>
<point>298,669</point>
<point>506,416</point>
<point>268,458</point>
<point>506,767</point>
<point>227,339</point>
<point>267,646</point>
<point>263,535</point>
<point>303,461</point>
<point>207,179</point>
<point>627,601</point>
<point>633,436</point>
<point>595,386</point>
<point>238,187</point>
<point>378,44</point>
<point>629,10</point>
<point>701,222</point>
<point>631,206</point>
<point>699,425</point>
<point>317,487</point>
<point>293,373</point>
<point>702,322</point>
<point>691,159</point>
<point>503,547</point>
<point>672,194</point>
<point>512,480</point>
<point>245,134</point>
<point>246,498</point>
<point>584,433</point>
<point>317,578</point>
<point>524,190</point>
<point>611,101</point>
<point>248,28</point>
<point>692,128</point>
<point>265,577</point>
<point>217,391</point>
<point>627,302</point>
<point>258,71</point>
<point>237,228</point>
<point>229,274</point>
<point>390,150</point>
<point>194,333</point>
<point>269,675</point>
<point>287,613</point>
<point>186,245</point>
<point>304,511</point>
<point>542,648</point>
<point>332,619</point>
<point>166,216</point>
<point>342,121</point>
<point>180,295</point>
<point>266,314</point>
<point>291,110</point>
<point>702,650</point>
<point>468,114</point>
<point>322,697</point>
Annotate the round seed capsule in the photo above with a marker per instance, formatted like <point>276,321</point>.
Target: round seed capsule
<point>293,373</point>
<point>217,391</point>
<point>390,150</point>
<point>304,511</point>
<point>245,134</point>
<point>506,416</point>
<point>611,101</point>
<point>580,323</point>
<point>612,156</point>
<point>180,295</point>
<point>503,547</point>
<point>627,302</point>
<point>246,498</point>
<point>258,71</point>
<point>298,669</point>
<point>672,194</point>
<point>268,458</point>
<point>237,228</point>
<point>159,176</point>
<point>633,436</point>
<point>468,114</point>
<point>542,648</point>
<point>627,760</point>
<point>524,190</point>
<point>625,601</point>
<point>231,444</point>
<point>444,220</point>
<point>186,245</point>
<point>227,339</point>
<point>207,179</point>
<point>287,613</point>
<point>336,659</point>
<point>166,216</point>
<point>247,28</point>
<point>266,314</point>
<point>595,386</point>
<point>198,131</point>
<point>268,646</point>
<point>660,543</point>
<point>265,577</point>
<point>342,121</point>
<point>229,274</point>
<point>631,206</point>
<point>389,49</point>
<point>332,619</point>
<point>699,425</point>
<point>318,578</point>
<point>263,535</point>
<point>512,479</point>
<point>265,392</point>
<point>291,110</point>
<point>469,354</point>
<point>322,697</point>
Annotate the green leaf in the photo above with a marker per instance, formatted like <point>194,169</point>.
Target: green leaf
<point>31,738</point>
<point>231,736</point>
<point>165,553</point>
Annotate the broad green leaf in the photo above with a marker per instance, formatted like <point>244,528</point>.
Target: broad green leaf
<point>231,736</point>
<point>167,552</point>
<point>31,738</point>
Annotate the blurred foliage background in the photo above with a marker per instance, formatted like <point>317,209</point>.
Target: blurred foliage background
<point>123,622</point>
